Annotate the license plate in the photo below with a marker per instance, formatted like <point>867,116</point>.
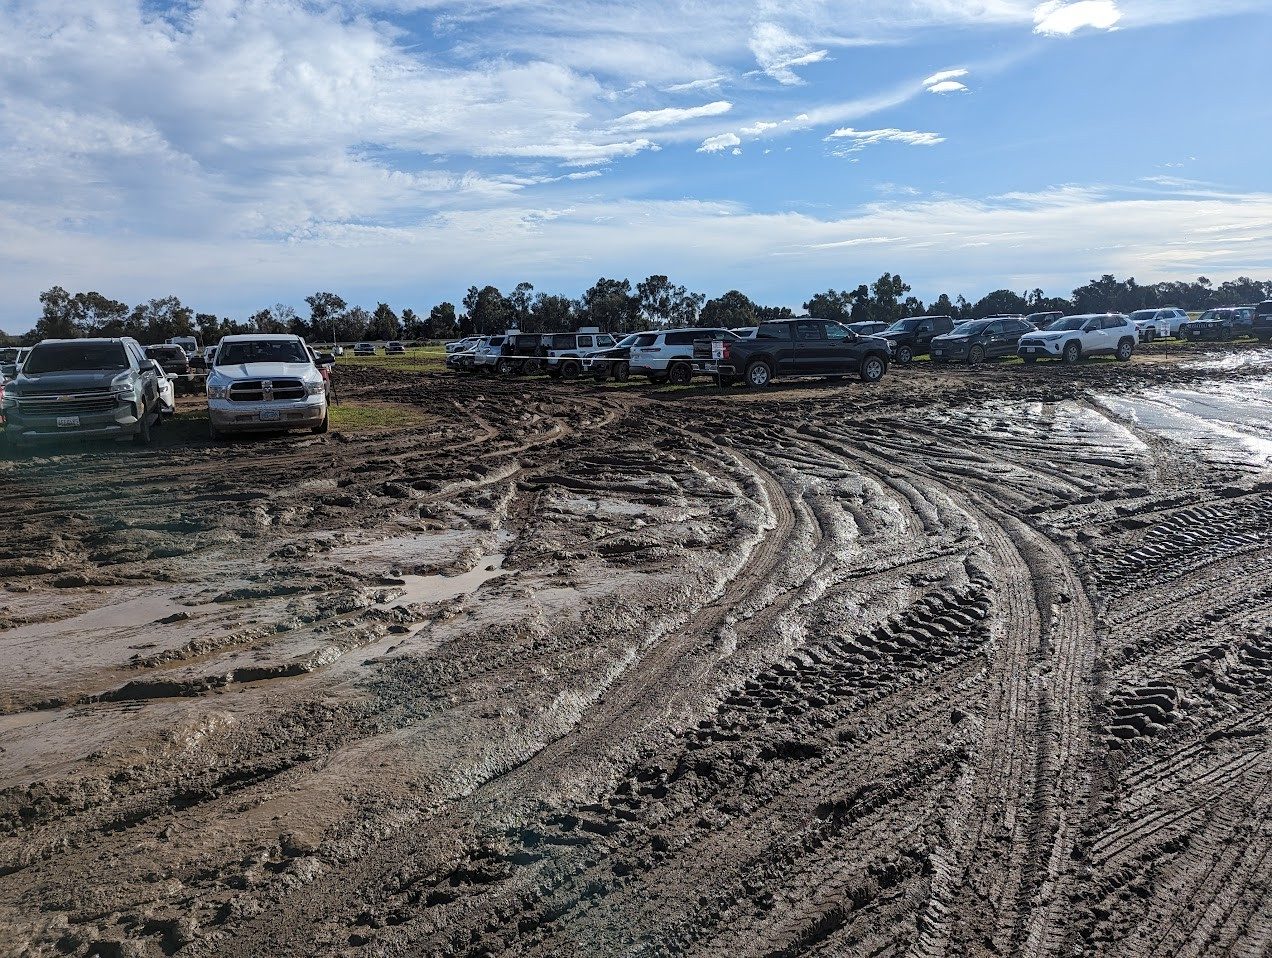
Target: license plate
<point>1031,349</point>
<point>269,415</point>
<point>938,352</point>
<point>64,422</point>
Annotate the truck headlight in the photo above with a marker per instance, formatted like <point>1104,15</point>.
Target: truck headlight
<point>318,388</point>
<point>218,391</point>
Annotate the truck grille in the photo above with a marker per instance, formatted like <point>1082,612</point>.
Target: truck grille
<point>267,390</point>
<point>68,404</point>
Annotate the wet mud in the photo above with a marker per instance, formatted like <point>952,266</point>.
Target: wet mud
<point>972,662</point>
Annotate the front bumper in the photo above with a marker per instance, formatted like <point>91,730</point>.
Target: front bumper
<point>950,351</point>
<point>121,420</point>
<point>1045,349</point>
<point>229,416</point>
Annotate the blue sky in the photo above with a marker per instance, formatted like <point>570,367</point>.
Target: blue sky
<point>240,153</point>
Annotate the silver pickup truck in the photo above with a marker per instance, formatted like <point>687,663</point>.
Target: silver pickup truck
<point>265,382</point>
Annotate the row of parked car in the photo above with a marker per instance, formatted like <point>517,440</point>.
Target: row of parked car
<point>805,346</point>
<point>116,388</point>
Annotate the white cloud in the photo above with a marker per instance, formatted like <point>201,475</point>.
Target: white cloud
<point>947,86</point>
<point>943,77</point>
<point>1058,18</point>
<point>778,52</point>
<point>716,144</point>
<point>758,128</point>
<point>858,140</point>
<point>654,119</point>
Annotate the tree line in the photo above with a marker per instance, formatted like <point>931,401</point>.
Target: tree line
<point>615,305</point>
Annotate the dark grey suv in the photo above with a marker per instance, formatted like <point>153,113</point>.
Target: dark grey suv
<point>83,387</point>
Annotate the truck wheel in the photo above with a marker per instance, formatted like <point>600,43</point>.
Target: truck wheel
<point>570,369</point>
<point>976,356</point>
<point>1149,335</point>
<point>679,374</point>
<point>142,436</point>
<point>505,367</point>
<point>322,426</point>
<point>904,355</point>
<point>1072,353</point>
<point>872,369</point>
<point>622,372</point>
<point>1125,349</point>
<point>759,374</point>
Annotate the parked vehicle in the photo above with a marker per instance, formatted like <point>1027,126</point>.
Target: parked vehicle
<point>1154,324</point>
<point>868,328</point>
<point>1263,321</point>
<point>11,359</point>
<point>564,352</point>
<point>462,345</point>
<point>167,394</point>
<point>979,340</point>
<point>744,332</point>
<point>188,344</point>
<point>83,387</point>
<point>520,353</point>
<point>486,354</point>
<point>175,364</point>
<point>913,337</point>
<point>462,360</point>
<point>664,356</point>
<point>1227,322</point>
<point>1044,320</point>
<point>803,347</point>
<point>363,349</point>
<point>1070,339</point>
<point>323,362</point>
<point>394,349</point>
<point>266,382</point>
<point>616,361</point>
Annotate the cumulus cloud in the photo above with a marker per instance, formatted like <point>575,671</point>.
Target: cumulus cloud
<point>1058,18</point>
<point>719,143</point>
<point>654,119</point>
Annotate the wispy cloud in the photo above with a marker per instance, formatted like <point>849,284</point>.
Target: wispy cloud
<point>1058,18</point>
<point>656,119</point>
<point>858,140</point>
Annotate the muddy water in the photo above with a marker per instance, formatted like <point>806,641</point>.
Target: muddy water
<point>972,662</point>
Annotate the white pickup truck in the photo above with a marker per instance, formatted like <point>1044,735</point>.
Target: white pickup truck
<point>263,382</point>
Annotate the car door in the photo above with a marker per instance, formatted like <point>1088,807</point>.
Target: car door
<point>1013,329</point>
<point>774,339</point>
<point>991,339</point>
<point>843,350</point>
<point>810,348</point>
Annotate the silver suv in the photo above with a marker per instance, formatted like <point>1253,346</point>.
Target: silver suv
<point>260,383</point>
<point>83,387</point>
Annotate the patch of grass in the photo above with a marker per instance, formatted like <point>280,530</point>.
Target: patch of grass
<point>422,359</point>
<point>368,417</point>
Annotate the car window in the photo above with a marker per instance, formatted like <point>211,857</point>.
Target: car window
<point>685,339</point>
<point>605,341</point>
<point>773,331</point>
<point>994,329</point>
<point>585,342</point>
<point>837,332</point>
<point>1112,322</point>
<point>810,332</point>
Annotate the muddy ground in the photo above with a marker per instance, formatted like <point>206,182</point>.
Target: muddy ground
<point>967,663</point>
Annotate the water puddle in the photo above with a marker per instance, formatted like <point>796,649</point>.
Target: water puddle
<point>422,589</point>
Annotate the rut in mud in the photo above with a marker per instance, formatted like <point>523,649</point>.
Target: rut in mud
<point>968,663</point>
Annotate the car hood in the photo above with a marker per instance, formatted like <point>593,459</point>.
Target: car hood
<point>267,371</point>
<point>68,381</point>
<point>950,338</point>
<point>1049,334</point>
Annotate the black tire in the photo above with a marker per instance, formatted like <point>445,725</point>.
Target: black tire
<point>142,436</point>
<point>1072,353</point>
<point>600,373</point>
<point>570,369</point>
<point>622,372</point>
<point>1125,349</point>
<point>1150,335</point>
<point>872,369</point>
<point>505,367</point>
<point>904,355</point>
<point>976,356</point>
<point>323,426</point>
<point>759,374</point>
<point>680,374</point>
<point>1029,360</point>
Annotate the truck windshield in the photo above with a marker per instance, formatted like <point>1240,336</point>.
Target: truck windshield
<point>75,357</point>
<point>904,326</point>
<point>261,351</point>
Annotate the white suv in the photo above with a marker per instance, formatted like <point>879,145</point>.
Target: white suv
<point>565,351</point>
<point>667,356</point>
<point>1073,337</point>
<point>1152,323</point>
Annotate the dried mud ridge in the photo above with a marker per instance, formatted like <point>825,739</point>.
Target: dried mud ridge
<point>959,665</point>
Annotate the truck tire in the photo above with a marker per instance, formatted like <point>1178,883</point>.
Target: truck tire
<point>759,374</point>
<point>142,436</point>
<point>1149,335</point>
<point>976,356</point>
<point>680,374</point>
<point>570,369</point>
<point>872,369</point>
<point>505,367</point>
<point>904,355</point>
<point>1125,349</point>
<point>622,372</point>
<point>323,426</point>
<point>1072,352</point>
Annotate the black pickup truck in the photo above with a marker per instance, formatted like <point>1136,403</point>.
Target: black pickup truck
<point>797,347</point>
<point>1263,321</point>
